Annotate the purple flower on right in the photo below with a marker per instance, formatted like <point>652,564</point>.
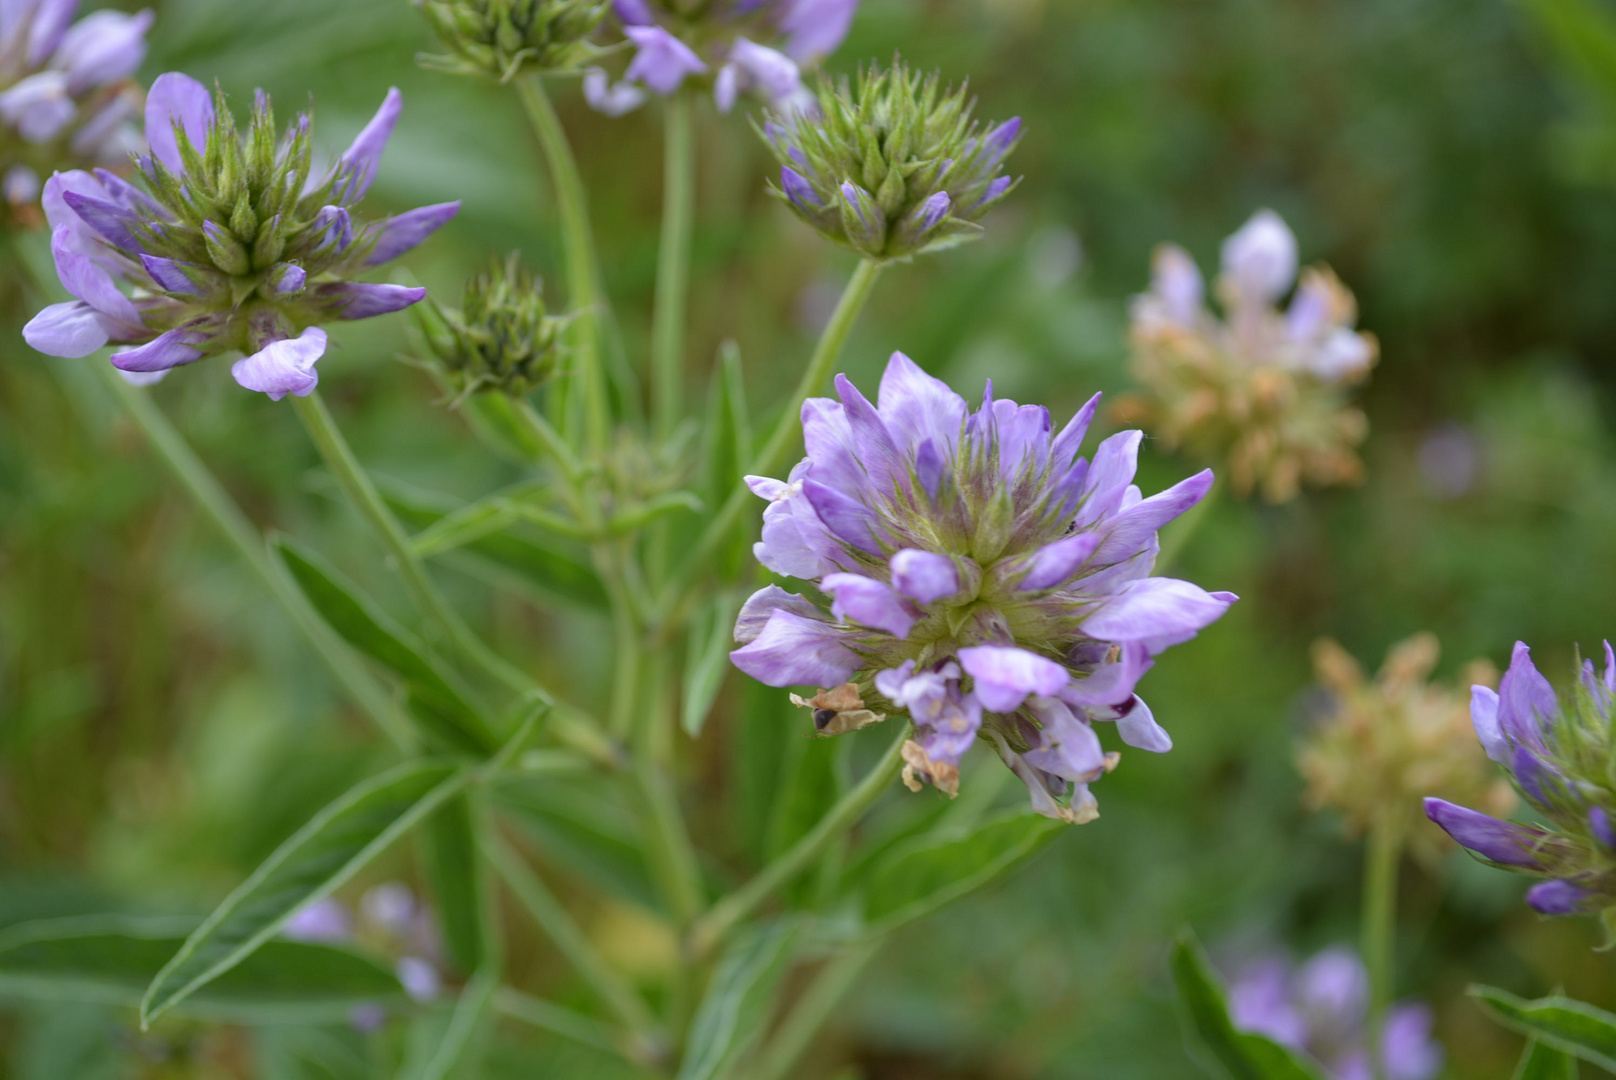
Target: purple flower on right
<point>1557,750</point>
<point>1322,1009</point>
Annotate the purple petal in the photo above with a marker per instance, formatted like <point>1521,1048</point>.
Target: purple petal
<point>997,187</point>
<point>871,602</point>
<point>103,47</point>
<point>930,467</point>
<point>814,28</point>
<point>1562,898</point>
<point>39,107</point>
<point>69,329</point>
<point>1138,728</point>
<point>325,920</point>
<point>1176,284</point>
<point>1406,1045</point>
<point>1131,529</point>
<point>1070,439</point>
<point>795,542</point>
<point>1113,681</point>
<point>1156,611</point>
<point>828,438</point>
<point>1005,675</point>
<point>364,300</point>
<point>363,157</point>
<point>1333,983</point>
<point>173,275</point>
<point>1484,716</point>
<point>997,143</point>
<point>924,575</point>
<point>287,278</point>
<point>1068,747</point>
<point>917,406</point>
<point>931,212</point>
<point>1502,842</point>
<point>87,280</point>
<point>176,98</point>
<point>754,614</point>
<point>168,350</point>
<point>1259,261</point>
<point>1054,564</point>
<point>844,517</point>
<point>1526,701</point>
<point>109,220</point>
<point>1599,824</point>
<point>1109,475</point>
<point>757,66</point>
<point>1531,774</point>
<point>405,231</point>
<point>49,25</point>
<point>283,367</point>
<point>872,442</point>
<point>796,651</point>
<point>337,224</point>
<point>608,98</point>
<point>798,189</point>
<point>661,61</point>
<point>633,12</point>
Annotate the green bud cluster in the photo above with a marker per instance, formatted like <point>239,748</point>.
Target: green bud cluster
<point>502,338</point>
<point>502,38</point>
<point>892,164</point>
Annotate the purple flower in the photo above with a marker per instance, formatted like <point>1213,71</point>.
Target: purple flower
<point>326,920</point>
<point>274,259</point>
<point>983,577</point>
<point>1321,1009</point>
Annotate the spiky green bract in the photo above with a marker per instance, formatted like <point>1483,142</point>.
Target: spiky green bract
<point>891,163</point>
<point>503,38</point>
<point>502,338</point>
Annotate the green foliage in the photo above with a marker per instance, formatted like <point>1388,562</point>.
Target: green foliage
<point>459,887</point>
<point>1241,1055</point>
<point>1559,1022</point>
<point>1540,1061</point>
<point>736,1006</point>
<point>454,1035</point>
<point>707,660</point>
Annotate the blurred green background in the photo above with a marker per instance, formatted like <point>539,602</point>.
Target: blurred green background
<point>161,727</point>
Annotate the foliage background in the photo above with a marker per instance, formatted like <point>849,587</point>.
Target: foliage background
<point>161,728</point>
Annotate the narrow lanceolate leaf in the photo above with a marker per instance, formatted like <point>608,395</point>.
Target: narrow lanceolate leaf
<point>1240,1055</point>
<point>727,434</point>
<point>922,874</point>
<point>456,876</point>
<point>445,713</point>
<point>466,525</point>
<point>737,1002</point>
<point>1562,1023</point>
<point>707,659</point>
<point>110,959</point>
<point>1542,1062</point>
<point>336,843</point>
<point>454,1052</point>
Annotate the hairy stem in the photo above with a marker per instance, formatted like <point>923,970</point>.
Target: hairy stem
<point>583,273</point>
<point>673,266</point>
<point>1382,854</point>
<point>346,667</point>
<point>711,928</point>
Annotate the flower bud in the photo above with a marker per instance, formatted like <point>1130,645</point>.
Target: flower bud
<point>907,168</point>
<point>502,38</point>
<point>502,339</point>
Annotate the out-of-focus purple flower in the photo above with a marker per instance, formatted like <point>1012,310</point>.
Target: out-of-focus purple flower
<point>234,245</point>
<point>1558,755</point>
<point>65,91</point>
<point>984,578</point>
<point>420,978</point>
<point>1321,1009</point>
<point>391,906</point>
<point>325,920</point>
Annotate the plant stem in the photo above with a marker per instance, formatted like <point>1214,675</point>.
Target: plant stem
<point>548,1016</point>
<point>1184,529</point>
<point>673,265</point>
<point>211,498</point>
<point>711,928</point>
<point>808,1016</point>
<point>1382,854</point>
<point>361,492</point>
<point>569,939</point>
<point>583,274</point>
<point>787,430</point>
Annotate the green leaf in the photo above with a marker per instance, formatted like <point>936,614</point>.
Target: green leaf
<point>453,1052</point>
<point>707,659</point>
<point>736,1005</point>
<point>922,874</point>
<point>548,569</point>
<point>446,714</point>
<point>727,432</point>
<point>335,844</point>
<point>1562,1023</point>
<point>466,525</point>
<point>1541,1062</point>
<point>1242,1055</point>
<point>457,881</point>
<point>110,959</point>
<point>585,828</point>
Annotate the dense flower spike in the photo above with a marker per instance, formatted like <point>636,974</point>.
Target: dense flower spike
<point>1559,756</point>
<point>503,38</point>
<point>501,339</point>
<point>1384,744</point>
<point>676,40</point>
<point>1263,389</point>
<point>1322,1009</point>
<point>983,578</point>
<point>66,99</point>
<point>892,165</point>
<point>235,245</point>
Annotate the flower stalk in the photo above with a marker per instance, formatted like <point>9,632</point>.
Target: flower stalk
<point>1381,857</point>
<point>673,265</point>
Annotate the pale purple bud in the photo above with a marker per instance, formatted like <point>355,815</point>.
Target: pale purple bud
<point>798,189</point>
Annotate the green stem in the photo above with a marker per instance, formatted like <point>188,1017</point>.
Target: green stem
<point>711,928</point>
<point>583,274</point>
<point>556,1019</point>
<point>673,265</point>
<point>1382,854</point>
<point>788,429</point>
<point>212,499</point>
<point>361,492</point>
<point>809,1015</point>
<point>672,854</point>
<point>1180,532</point>
<point>569,939</point>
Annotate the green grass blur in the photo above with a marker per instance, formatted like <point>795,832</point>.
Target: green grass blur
<point>162,728</point>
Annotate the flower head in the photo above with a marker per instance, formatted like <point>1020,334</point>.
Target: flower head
<point>892,165</point>
<point>1322,1009</point>
<point>235,244</point>
<point>1262,389</point>
<point>1559,756</point>
<point>983,578</point>
<point>502,38</point>
<point>501,339</point>
<point>66,98</point>
<point>676,40</point>
<point>1386,743</point>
